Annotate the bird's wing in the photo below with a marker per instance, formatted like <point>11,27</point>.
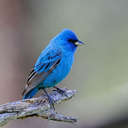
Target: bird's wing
<point>42,69</point>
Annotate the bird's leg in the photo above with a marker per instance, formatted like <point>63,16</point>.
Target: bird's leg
<point>51,102</point>
<point>61,91</point>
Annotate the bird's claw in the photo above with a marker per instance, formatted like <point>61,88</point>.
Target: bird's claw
<point>50,100</point>
<point>61,91</point>
<point>52,106</point>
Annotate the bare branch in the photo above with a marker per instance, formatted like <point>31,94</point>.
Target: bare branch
<point>36,107</point>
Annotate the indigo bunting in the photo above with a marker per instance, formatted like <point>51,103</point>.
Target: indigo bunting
<point>53,64</point>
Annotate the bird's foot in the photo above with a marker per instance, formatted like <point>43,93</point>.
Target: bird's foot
<point>61,91</point>
<point>51,102</point>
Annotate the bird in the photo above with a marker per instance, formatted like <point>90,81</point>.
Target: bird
<point>53,65</point>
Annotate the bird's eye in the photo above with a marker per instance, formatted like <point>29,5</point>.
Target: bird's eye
<point>72,41</point>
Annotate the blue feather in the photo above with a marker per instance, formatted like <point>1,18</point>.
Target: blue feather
<point>53,64</point>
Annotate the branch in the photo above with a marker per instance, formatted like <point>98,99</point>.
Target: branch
<point>36,107</point>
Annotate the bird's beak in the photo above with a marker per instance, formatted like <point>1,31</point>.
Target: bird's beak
<point>79,43</point>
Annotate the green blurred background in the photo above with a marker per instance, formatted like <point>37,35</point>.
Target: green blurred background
<point>99,74</point>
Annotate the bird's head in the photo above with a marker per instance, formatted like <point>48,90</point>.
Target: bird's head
<point>68,40</point>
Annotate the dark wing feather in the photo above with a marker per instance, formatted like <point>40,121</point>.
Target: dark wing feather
<point>31,75</point>
<point>48,65</point>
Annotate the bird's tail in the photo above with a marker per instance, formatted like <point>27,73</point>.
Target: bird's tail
<point>30,93</point>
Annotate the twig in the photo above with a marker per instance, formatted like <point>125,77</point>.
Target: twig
<point>36,107</point>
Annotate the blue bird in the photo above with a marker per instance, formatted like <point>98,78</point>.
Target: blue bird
<point>53,64</point>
